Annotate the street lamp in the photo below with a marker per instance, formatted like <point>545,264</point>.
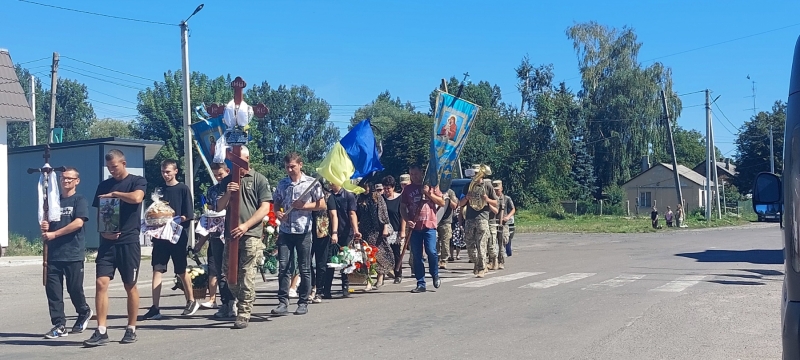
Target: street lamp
<point>187,113</point>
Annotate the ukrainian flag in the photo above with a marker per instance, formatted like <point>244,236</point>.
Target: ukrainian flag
<point>355,156</point>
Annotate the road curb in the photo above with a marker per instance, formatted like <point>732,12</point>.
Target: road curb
<point>8,262</point>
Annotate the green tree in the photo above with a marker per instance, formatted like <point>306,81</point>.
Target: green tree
<point>752,146</point>
<point>690,148</point>
<point>384,113</point>
<point>74,113</point>
<point>408,144</point>
<point>108,127</point>
<point>297,121</point>
<point>619,99</point>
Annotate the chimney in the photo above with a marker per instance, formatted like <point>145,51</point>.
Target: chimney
<point>727,164</point>
<point>645,163</point>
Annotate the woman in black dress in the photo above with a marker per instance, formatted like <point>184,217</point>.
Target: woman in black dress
<point>397,234</point>
<point>373,223</point>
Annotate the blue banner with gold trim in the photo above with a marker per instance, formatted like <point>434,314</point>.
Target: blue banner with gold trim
<point>452,122</point>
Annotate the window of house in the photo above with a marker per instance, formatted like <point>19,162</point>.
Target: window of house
<point>645,199</point>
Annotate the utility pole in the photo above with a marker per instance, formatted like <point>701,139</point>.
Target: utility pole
<point>188,169</point>
<point>724,201</point>
<point>672,149</point>
<point>716,178</point>
<point>32,130</point>
<point>708,156</point>
<point>53,84</point>
<point>771,152</point>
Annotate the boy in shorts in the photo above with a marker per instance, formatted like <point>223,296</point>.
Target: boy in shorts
<point>179,198</point>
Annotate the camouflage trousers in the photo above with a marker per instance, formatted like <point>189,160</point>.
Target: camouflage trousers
<point>491,244</point>
<point>444,233</point>
<point>503,235</point>
<point>250,249</point>
<point>476,235</point>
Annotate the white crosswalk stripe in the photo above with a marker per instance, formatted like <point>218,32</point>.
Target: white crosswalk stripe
<point>681,283</point>
<point>455,277</point>
<point>615,282</point>
<point>547,283</point>
<point>499,279</point>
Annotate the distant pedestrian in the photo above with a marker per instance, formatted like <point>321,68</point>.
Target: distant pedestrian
<point>668,216</point>
<point>680,216</point>
<point>654,217</point>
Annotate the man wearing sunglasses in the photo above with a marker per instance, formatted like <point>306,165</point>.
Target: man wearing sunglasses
<point>65,241</point>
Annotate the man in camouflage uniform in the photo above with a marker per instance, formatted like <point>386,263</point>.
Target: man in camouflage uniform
<point>254,197</point>
<point>505,217</point>
<point>476,227</point>
<point>444,230</point>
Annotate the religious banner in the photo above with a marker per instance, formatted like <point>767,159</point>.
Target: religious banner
<point>452,121</point>
<point>207,133</point>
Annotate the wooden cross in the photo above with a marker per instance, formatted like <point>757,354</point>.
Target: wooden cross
<point>237,165</point>
<point>48,171</point>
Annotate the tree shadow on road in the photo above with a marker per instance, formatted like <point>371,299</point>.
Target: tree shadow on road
<point>755,256</point>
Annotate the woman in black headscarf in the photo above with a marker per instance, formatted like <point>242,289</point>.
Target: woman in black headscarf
<point>373,223</point>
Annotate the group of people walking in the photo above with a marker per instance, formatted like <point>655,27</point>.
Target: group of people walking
<point>316,221</point>
<point>676,218</point>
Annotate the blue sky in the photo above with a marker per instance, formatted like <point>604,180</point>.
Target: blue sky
<point>350,51</point>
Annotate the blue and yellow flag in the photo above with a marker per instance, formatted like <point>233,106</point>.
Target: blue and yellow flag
<point>452,122</point>
<point>355,156</point>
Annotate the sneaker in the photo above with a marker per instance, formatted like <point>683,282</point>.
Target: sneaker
<point>191,307</point>
<point>56,332</point>
<point>317,299</point>
<point>327,297</point>
<point>152,314</point>
<point>419,289</point>
<point>280,310</point>
<point>292,293</point>
<point>302,309</point>
<point>82,322</point>
<point>129,337</point>
<point>437,282</point>
<point>450,259</point>
<point>97,339</point>
<point>398,280</point>
<point>241,322</point>
<point>209,305</point>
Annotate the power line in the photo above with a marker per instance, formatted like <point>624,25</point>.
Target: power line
<point>723,125</point>
<point>109,104</point>
<point>105,68</point>
<point>98,14</point>
<point>690,93</point>
<point>101,74</point>
<point>726,118</point>
<point>101,79</point>
<point>112,96</point>
<point>724,42</point>
<point>44,58</point>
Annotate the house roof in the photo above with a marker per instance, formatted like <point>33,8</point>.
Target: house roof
<point>13,104</point>
<point>151,147</point>
<point>721,166</point>
<point>683,171</point>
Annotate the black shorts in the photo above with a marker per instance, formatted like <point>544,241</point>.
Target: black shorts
<point>163,250</point>
<point>214,254</point>
<point>124,258</point>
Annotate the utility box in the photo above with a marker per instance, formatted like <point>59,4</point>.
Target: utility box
<point>88,157</point>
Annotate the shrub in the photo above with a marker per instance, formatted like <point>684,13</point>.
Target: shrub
<point>18,245</point>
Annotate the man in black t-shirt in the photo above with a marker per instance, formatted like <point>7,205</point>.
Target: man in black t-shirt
<point>65,256</point>
<point>344,226</point>
<point>179,198</point>
<point>119,251</point>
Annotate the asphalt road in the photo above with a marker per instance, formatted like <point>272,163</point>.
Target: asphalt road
<point>695,294</point>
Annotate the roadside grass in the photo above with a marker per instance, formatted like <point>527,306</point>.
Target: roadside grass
<point>529,222</point>
<point>19,245</point>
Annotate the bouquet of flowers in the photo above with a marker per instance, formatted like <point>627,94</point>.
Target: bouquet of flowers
<point>269,262</point>
<point>199,275</point>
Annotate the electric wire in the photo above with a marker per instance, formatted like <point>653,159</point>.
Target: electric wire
<point>98,14</point>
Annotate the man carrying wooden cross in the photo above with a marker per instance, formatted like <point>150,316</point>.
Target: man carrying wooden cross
<point>254,197</point>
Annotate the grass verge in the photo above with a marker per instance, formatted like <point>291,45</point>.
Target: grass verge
<point>528,222</point>
<point>19,245</point>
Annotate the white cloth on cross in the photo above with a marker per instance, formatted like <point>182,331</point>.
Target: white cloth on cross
<point>53,197</point>
<point>234,115</point>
